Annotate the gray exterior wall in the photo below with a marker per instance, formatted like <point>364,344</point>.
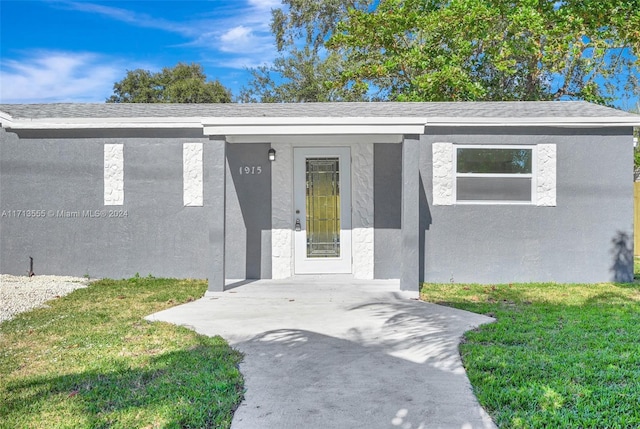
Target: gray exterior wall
<point>586,238</point>
<point>157,236</point>
<point>387,204</point>
<point>248,216</point>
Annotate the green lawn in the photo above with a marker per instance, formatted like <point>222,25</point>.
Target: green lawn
<point>558,356</point>
<point>91,361</point>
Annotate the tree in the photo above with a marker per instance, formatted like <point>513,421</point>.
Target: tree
<point>304,72</point>
<point>300,76</point>
<point>184,83</point>
<point>435,50</point>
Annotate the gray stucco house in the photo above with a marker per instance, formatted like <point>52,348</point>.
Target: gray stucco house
<point>438,192</point>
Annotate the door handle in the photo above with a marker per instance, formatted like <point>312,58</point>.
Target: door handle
<point>298,226</point>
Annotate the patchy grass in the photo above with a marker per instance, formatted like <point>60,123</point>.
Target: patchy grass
<point>557,356</point>
<point>91,361</point>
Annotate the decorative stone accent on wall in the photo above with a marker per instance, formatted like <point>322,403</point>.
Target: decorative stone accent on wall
<point>362,210</point>
<point>442,174</point>
<point>546,175</point>
<point>281,207</point>
<point>113,174</point>
<point>192,174</point>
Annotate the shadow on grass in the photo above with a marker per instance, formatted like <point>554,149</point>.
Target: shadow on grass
<point>187,388</point>
<point>486,299</point>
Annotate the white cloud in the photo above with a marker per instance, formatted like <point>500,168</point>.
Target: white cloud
<point>255,15</point>
<point>60,76</point>
<point>217,33</point>
<point>265,4</point>
<point>240,63</point>
<point>55,76</point>
<point>131,17</point>
<point>238,34</point>
<point>243,40</point>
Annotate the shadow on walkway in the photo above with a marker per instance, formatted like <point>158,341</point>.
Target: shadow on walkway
<point>341,355</point>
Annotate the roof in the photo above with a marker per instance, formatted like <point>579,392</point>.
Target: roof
<point>311,117</point>
<point>506,109</point>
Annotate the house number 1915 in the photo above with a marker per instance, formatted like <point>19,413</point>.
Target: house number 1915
<point>250,169</point>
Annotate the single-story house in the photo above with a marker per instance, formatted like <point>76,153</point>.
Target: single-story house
<point>486,192</point>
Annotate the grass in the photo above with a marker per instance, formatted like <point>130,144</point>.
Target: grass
<point>91,361</point>
<point>561,356</point>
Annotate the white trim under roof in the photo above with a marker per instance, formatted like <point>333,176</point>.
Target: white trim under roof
<point>318,140</point>
<point>98,123</point>
<point>260,126</point>
<point>561,121</point>
<point>265,125</point>
<point>235,126</point>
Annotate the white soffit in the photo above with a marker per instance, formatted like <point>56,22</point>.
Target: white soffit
<point>99,123</point>
<point>253,126</point>
<point>316,139</point>
<point>260,126</point>
<point>568,122</point>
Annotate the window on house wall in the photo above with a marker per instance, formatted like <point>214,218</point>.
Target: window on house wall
<point>489,174</point>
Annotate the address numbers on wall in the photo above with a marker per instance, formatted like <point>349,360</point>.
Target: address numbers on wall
<point>250,169</point>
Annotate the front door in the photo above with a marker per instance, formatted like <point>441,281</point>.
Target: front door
<point>322,210</point>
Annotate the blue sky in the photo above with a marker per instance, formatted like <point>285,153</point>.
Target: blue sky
<point>73,51</point>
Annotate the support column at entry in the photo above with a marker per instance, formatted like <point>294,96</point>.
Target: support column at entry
<point>409,277</point>
<point>214,200</point>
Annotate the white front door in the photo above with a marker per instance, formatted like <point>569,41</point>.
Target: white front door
<point>322,210</point>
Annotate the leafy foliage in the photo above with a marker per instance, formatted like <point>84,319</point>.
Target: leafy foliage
<point>301,76</point>
<point>184,83</point>
<point>431,50</point>
<point>304,73</point>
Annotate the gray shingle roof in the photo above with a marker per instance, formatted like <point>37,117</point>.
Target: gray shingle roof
<point>517,109</point>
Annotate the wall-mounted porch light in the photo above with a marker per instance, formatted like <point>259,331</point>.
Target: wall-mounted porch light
<point>272,154</point>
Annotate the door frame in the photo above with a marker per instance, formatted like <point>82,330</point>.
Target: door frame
<point>343,263</point>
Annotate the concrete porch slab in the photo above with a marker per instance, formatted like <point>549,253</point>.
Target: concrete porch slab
<point>336,352</point>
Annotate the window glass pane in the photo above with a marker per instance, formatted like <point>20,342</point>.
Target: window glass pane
<point>493,189</point>
<point>323,207</point>
<point>507,161</point>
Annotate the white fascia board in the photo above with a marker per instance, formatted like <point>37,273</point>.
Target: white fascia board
<point>313,120</point>
<point>312,130</point>
<point>5,120</point>
<point>102,123</point>
<point>254,126</point>
<point>568,122</point>
<point>316,140</point>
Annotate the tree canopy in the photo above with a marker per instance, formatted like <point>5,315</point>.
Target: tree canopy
<point>434,50</point>
<point>304,69</point>
<point>184,83</point>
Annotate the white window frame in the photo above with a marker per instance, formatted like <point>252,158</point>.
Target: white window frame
<point>532,175</point>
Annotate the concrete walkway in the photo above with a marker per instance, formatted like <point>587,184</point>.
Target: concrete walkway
<point>340,353</point>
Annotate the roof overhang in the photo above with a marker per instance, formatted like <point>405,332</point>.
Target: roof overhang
<point>98,123</point>
<point>255,126</point>
<point>234,126</point>
<point>300,126</point>
<point>561,122</point>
